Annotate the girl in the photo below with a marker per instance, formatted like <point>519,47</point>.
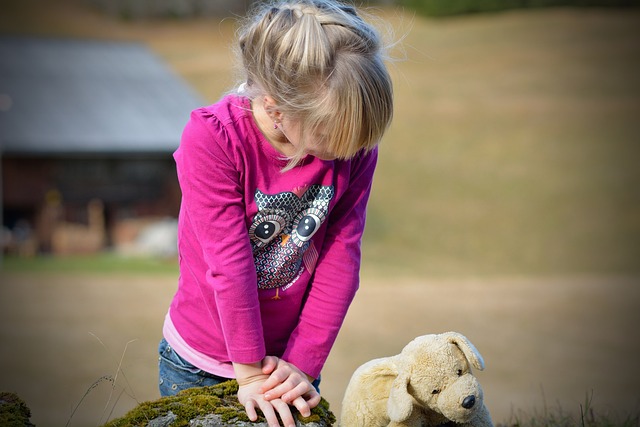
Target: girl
<point>275,180</point>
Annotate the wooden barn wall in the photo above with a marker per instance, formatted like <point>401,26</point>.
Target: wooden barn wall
<point>129,188</point>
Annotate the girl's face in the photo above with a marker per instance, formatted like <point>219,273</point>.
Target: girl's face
<point>313,145</point>
<point>288,137</point>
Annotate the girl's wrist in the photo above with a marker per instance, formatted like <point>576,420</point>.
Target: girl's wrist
<point>247,373</point>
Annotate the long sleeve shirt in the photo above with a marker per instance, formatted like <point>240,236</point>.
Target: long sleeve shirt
<point>269,261</point>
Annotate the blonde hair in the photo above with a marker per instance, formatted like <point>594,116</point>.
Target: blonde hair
<point>323,65</point>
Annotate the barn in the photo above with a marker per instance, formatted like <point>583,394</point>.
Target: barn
<point>87,132</point>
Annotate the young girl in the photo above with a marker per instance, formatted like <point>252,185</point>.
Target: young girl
<point>275,180</point>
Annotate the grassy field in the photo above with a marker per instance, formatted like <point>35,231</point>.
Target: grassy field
<point>506,206</point>
<point>514,147</point>
<point>86,341</point>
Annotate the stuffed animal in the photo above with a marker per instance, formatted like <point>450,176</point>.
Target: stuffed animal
<point>429,383</point>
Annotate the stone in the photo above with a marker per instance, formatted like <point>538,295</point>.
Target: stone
<point>215,406</point>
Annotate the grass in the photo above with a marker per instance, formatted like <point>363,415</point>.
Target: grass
<point>208,404</point>
<point>559,417</point>
<point>94,264</point>
<point>513,150</point>
<point>514,145</point>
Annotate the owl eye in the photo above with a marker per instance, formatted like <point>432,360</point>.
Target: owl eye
<point>266,227</point>
<point>305,225</point>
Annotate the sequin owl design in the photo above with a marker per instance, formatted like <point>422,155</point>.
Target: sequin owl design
<point>281,233</point>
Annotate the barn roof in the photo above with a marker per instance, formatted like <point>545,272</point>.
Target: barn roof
<point>68,96</point>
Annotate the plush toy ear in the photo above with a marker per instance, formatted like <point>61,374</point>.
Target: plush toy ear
<point>468,349</point>
<point>400,403</point>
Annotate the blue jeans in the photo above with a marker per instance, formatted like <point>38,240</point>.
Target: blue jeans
<point>176,374</point>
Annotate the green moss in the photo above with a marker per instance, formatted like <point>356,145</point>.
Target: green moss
<point>319,413</point>
<point>185,406</point>
<point>14,412</point>
<point>313,418</point>
<point>218,400</point>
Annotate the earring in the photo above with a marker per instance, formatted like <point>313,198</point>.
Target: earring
<point>275,125</point>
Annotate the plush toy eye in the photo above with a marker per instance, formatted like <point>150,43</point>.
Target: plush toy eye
<point>459,372</point>
<point>436,391</point>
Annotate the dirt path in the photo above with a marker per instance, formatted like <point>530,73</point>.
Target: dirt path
<point>546,342</point>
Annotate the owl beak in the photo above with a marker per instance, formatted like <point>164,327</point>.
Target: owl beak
<point>285,239</point>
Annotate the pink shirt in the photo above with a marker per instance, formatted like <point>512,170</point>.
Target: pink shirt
<point>269,261</point>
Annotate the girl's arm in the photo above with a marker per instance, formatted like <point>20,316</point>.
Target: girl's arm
<point>214,230</point>
<point>335,282</point>
<point>336,277</point>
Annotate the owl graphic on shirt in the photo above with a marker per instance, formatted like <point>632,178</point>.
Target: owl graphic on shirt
<point>281,233</point>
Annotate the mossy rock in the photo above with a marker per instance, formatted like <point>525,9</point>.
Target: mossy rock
<point>215,406</point>
<point>13,411</point>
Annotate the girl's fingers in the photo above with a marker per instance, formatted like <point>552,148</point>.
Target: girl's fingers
<point>273,388</point>
<point>279,391</point>
<point>269,414</point>
<point>299,390</point>
<point>269,364</point>
<point>302,406</point>
<point>269,410</point>
<point>250,408</point>
<point>279,376</point>
<point>313,398</point>
<point>285,413</point>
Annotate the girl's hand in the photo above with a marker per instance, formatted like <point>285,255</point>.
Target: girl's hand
<point>289,384</point>
<point>250,381</point>
<point>251,398</point>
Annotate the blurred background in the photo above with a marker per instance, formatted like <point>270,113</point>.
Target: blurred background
<point>506,203</point>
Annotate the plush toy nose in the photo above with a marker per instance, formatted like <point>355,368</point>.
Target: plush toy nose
<point>468,402</point>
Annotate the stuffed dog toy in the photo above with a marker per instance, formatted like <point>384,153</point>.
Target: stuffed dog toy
<point>429,383</point>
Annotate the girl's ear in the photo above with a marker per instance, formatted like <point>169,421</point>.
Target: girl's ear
<point>400,403</point>
<point>270,107</point>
